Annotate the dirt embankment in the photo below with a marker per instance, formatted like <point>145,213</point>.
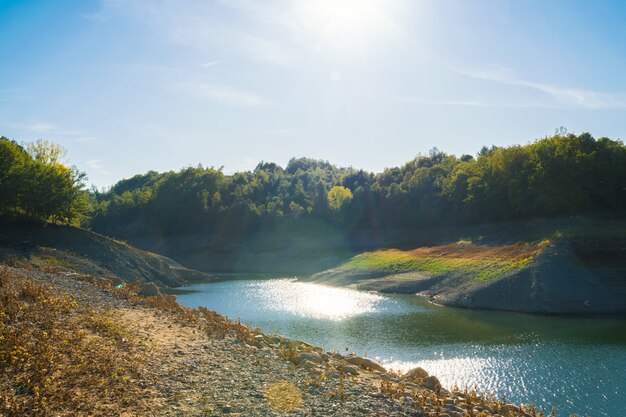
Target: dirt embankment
<point>563,275</point>
<point>136,356</point>
<point>56,247</point>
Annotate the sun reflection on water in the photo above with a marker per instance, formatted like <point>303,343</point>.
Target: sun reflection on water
<point>314,300</point>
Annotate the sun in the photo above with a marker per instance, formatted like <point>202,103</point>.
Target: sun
<point>344,23</point>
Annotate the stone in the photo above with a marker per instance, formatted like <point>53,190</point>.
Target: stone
<point>113,279</point>
<point>148,289</point>
<point>365,363</point>
<point>431,383</point>
<point>351,369</point>
<point>307,356</point>
<point>416,374</point>
<point>308,365</point>
<point>453,408</point>
<point>509,410</point>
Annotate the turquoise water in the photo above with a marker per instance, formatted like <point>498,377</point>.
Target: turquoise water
<point>576,364</point>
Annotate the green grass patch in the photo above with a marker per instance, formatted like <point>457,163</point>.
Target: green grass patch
<point>478,262</point>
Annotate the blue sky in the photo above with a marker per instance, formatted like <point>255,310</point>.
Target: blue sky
<point>132,85</point>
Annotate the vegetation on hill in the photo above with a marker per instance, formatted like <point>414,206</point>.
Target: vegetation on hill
<point>479,262</point>
<point>62,358</point>
<point>564,174</point>
<point>35,183</point>
<point>560,175</point>
<point>312,212</point>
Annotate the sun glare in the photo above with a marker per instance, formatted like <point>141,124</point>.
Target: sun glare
<point>344,22</point>
<point>314,300</point>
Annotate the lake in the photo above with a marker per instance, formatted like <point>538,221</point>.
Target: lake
<point>576,364</point>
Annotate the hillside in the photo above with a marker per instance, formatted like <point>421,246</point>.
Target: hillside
<point>580,270</point>
<point>64,248</point>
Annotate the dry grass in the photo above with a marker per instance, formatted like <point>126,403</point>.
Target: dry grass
<point>58,358</point>
<point>211,323</point>
<point>61,358</point>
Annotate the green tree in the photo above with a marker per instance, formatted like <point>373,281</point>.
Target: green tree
<point>338,196</point>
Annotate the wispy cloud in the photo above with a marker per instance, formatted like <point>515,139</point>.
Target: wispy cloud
<point>96,165</point>
<point>200,23</point>
<point>280,32</point>
<point>211,64</point>
<point>48,130</point>
<point>42,127</point>
<point>226,94</point>
<point>565,97</point>
<point>475,103</point>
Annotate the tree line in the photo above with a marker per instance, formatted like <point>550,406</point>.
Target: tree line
<point>559,175</point>
<point>36,184</point>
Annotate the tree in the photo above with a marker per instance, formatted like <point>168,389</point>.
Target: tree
<point>338,196</point>
<point>36,184</point>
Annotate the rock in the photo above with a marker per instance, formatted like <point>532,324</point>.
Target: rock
<point>273,340</point>
<point>332,374</point>
<point>307,356</point>
<point>113,279</point>
<point>308,365</point>
<point>416,374</point>
<point>351,369</point>
<point>453,408</point>
<point>509,410</point>
<point>431,383</point>
<point>317,349</point>
<point>365,363</point>
<point>149,289</point>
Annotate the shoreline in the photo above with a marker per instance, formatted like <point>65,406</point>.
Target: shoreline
<point>321,380</point>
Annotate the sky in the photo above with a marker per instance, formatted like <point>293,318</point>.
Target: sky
<point>128,86</point>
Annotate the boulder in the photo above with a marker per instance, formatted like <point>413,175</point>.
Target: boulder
<point>309,365</point>
<point>113,279</point>
<point>416,374</point>
<point>149,289</point>
<point>509,410</point>
<point>351,369</point>
<point>307,356</point>
<point>453,408</point>
<point>365,363</point>
<point>431,383</point>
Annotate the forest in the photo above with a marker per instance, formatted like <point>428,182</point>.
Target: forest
<point>559,175</point>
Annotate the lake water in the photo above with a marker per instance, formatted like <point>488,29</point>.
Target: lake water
<point>576,364</point>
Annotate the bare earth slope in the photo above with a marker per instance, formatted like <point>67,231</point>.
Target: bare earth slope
<point>564,275</point>
<point>57,247</point>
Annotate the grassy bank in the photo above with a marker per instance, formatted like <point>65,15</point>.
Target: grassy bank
<point>481,263</point>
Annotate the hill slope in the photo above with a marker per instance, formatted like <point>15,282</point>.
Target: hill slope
<point>581,271</point>
<point>55,247</point>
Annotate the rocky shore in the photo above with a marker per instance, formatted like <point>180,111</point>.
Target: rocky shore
<point>205,365</point>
